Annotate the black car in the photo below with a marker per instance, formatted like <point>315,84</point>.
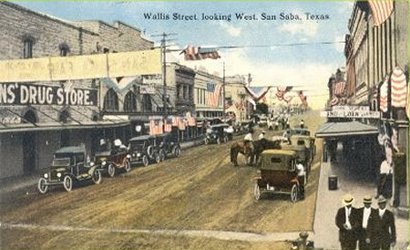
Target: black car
<point>168,145</point>
<point>144,149</point>
<point>216,134</point>
<point>113,159</point>
<point>69,165</point>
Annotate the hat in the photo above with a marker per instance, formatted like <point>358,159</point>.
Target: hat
<point>263,131</point>
<point>381,199</point>
<point>347,199</point>
<point>367,199</point>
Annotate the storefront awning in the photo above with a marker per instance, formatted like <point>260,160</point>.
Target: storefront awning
<point>351,128</point>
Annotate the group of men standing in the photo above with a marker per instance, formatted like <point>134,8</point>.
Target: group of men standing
<point>373,228</point>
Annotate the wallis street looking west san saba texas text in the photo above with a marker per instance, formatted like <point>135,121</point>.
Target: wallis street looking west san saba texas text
<point>204,125</point>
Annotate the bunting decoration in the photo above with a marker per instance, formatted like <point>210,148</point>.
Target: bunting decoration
<point>181,123</point>
<point>303,98</point>
<point>155,126</point>
<point>198,53</point>
<point>119,84</point>
<point>281,91</point>
<point>398,88</point>
<point>212,94</point>
<point>257,93</point>
<point>168,125</point>
<point>383,95</point>
<point>338,88</point>
<point>334,101</point>
<point>381,10</point>
<point>252,102</point>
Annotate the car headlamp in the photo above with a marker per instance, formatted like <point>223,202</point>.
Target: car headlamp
<point>46,175</point>
<point>92,164</point>
<point>103,163</point>
<point>128,156</point>
<point>138,154</point>
<point>58,175</point>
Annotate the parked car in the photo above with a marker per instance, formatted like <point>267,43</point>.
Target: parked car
<point>263,121</point>
<point>216,134</point>
<point>68,166</point>
<point>277,174</point>
<point>143,149</point>
<point>113,159</point>
<point>168,145</point>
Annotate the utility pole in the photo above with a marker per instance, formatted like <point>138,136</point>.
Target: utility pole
<point>223,89</point>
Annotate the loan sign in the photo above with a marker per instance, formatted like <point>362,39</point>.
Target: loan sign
<point>145,62</point>
<point>24,94</point>
<point>350,114</point>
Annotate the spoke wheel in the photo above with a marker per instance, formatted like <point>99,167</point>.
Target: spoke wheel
<point>145,160</point>
<point>157,158</point>
<point>177,152</point>
<point>42,186</point>
<point>257,192</point>
<point>97,177</point>
<point>127,166</point>
<point>111,170</point>
<point>294,193</point>
<point>68,183</point>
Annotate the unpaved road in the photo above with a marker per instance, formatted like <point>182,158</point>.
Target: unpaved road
<point>201,190</point>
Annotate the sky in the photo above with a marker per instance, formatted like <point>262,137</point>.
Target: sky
<point>268,48</point>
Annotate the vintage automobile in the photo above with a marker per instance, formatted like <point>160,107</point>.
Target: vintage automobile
<point>144,149</point>
<point>263,121</point>
<point>308,142</point>
<point>168,145</point>
<point>113,159</point>
<point>296,131</point>
<point>277,174</point>
<point>69,165</point>
<point>216,134</point>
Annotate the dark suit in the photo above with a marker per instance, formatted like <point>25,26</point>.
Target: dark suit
<point>363,233</point>
<point>382,230</point>
<point>347,237</point>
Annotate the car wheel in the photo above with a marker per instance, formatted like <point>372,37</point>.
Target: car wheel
<point>145,160</point>
<point>257,192</point>
<point>97,177</point>
<point>127,166</point>
<point>218,141</point>
<point>226,139</point>
<point>111,170</point>
<point>294,193</point>
<point>162,154</point>
<point>177,151</point>
<point>68,183</point>
<point>206,141</point>
<point>157,157</point>
<point>42,186</point>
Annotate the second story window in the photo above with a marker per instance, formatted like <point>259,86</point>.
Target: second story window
<point>64,49</point>
<point>28,48</point>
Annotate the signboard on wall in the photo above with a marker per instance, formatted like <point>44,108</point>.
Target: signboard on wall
<point>81,67</point>
<point>34,94</point>
<point>350,114</point>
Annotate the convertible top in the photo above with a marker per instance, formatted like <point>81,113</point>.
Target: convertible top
<point>142,137</point>
<point>71,149</point>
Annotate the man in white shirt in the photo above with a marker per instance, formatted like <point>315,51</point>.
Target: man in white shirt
<point>365,214</point>
<point>346,221</point>
<point>248,139</point>
<point>301,178</point>
<point>385,180</point>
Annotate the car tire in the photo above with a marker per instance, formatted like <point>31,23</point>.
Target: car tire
<point>294,193</point>
<point>42,186</point>
<point>218,140</point>
<point>127,165</point>
<point>157,158</point>
<point>111,170</point>
<point>96,177</point>
<point>177,151</point>
<point>68,183</point>
<point>206,141</point>
<point>162,155</point>
<point>257,192</point>
<point>145,161</point>
<point>150,152</point>
<point>226,139</point>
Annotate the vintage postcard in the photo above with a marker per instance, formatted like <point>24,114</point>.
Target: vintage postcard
<point>204,125</point>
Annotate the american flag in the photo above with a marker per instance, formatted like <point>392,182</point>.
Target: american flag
<point>191,121</point>
<point>383,95</point>
<point>168,125</point>
<point>155,127</point>
<point>334,101</point>
<point>303,98</point>
<point>339,88</point>
<point>198,53</point>
<point>381,10</point>
<point>174,121</point>
<point>281,91</point>
<point>398,88</point>
<point>181,123</point>
<point>213,91</point>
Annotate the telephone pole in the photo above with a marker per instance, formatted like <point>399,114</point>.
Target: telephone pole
<point>223,89</point>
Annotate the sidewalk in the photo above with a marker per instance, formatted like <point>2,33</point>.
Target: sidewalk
<point>329,201</point>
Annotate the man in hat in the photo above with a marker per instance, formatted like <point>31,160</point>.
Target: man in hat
<point>382,229</point>
<point>301,177</point>
<point>347,222</point>
<point>261,135</point>
<point>365,214</point>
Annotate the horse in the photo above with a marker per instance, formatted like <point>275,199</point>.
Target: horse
<point>241,147</point>
<point>260,145</point>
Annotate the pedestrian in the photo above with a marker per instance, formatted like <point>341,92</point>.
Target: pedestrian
<point>248,139</point>
<point>365,214</point>
<point>382,229</point>
<point>346,221</point>
<point>302,123</point>
<point>384,185</point>
<point>261,135</point>
<point>301,178</point>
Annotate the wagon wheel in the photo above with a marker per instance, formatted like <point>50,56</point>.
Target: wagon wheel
<point>145,160</point>
<point>127,166</point>
<point>96,177</point>
<point>42,186</point>
<point>111,170</point>
<point>294,193</point>
<point>68,183</point>
<point>257,192</point>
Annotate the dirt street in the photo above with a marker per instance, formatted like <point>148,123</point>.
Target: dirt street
<point>201,190</point>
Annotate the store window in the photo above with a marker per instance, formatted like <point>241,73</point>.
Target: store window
<point>64,49</point>
<point>28,48</point>
<point>111,101</point>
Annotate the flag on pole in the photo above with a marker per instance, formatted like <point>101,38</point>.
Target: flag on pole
<point>398,88</point>
<point>281,91</point>
<point>381,10</point>
<point>198,53</point>
<point>212,94</point>
<point>383,95</point>
<point>257,93</point>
